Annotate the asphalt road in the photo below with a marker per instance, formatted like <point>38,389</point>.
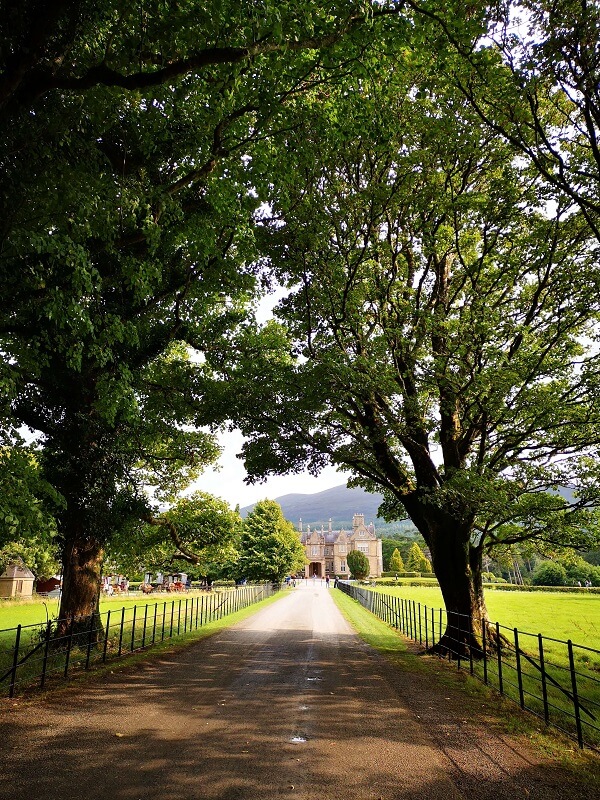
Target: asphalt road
<point>289,703</point>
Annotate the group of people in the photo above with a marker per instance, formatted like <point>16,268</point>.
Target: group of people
<point>120,587</point>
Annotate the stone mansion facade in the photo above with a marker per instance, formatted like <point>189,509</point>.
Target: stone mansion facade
<point>327,550</point>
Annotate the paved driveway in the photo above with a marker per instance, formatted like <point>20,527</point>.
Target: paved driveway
<point>289,703</point>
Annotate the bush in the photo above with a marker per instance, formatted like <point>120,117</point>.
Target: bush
<point>549,573</point>
<point>407,582</point>
<point>389,574</point>
<point>581,571</point>
<point>358,564</point>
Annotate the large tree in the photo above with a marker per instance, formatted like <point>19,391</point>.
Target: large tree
<point>270,547</point>
<point>198,532</point>
<point>125,222</point>
<point>435,323</point>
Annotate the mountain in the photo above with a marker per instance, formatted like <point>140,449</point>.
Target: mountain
<point>338,504</point>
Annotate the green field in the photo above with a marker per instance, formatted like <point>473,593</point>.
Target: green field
<point>13,613</point>
<point>553,614</point>
<point>558,617</point>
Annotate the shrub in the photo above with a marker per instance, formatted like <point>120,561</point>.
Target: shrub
<point>389,574</point>
<point>358,564</point>
<point>549,573</point>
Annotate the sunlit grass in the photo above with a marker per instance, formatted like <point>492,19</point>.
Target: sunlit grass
<point>553,614</point>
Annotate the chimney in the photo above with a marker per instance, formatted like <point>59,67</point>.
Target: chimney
<point>358,521</point>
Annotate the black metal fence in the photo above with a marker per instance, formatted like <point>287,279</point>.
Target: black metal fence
<point>557,681</point>
<point>32,655</point>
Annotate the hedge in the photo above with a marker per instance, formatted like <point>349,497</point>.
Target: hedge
<point>512,587</point>
<point>401,574</point>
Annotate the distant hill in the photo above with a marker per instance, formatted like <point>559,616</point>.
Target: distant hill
<point>341,503</point>
<point>338,504</point>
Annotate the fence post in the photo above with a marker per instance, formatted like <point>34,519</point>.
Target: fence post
<point>519,672</point>
<point>145,624</point>
<point>164,616</point>
<point>471,643</point>
<point>543,673</point>
<point>426,631</point>
<point>179,617</point>
<point>154,623</point>
<point>420,631</point>
<point>89,642</point>
<point>121,631</point>
<point>46,648</point>
<point>484,646</point>
<point>185,616</point>
<point>458,643</point>
<point>172,614</point>
<point>106,637</point>
<point>575,695</point>
<point>499,646</point>
<point>68,655</point>
<point>13,680</point>
<point>133,628</point>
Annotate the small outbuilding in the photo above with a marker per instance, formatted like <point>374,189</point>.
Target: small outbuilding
<point>16,581</point>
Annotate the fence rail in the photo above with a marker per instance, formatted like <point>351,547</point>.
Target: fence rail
<point>33,654</point>
<point>557,681</point>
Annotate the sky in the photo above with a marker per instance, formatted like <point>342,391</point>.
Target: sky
<point>228,481</point>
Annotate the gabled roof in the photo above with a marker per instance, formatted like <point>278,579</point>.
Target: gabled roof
<point>16,571</point>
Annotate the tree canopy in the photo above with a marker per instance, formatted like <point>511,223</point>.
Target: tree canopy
<point>270,547</point>
<point>423,178</point>
<point>127,229</point>
<point>437,330</point>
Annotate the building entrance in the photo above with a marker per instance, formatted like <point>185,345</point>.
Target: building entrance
<point>315,569</point>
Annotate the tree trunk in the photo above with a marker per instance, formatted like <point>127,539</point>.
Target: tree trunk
<point>80,597</point>
<point>457,566</point>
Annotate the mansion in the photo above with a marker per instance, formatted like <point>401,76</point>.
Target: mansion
<point>326,550</point>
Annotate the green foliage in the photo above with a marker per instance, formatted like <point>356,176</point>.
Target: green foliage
<point>417,561</point>
<point>549,573</point>
<point>435,305</point>
<point>270,547</point>
<point>127,217</point>
<point>199,534</point>
<point>358,564</point>
<point>389,545</point>
<point>27,507</point>
<point>396,563</point>
<point>579,571</point>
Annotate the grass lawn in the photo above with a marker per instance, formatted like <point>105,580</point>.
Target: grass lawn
<point>554,614</point>
<point>32,612</point>
<point>558,617</point>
